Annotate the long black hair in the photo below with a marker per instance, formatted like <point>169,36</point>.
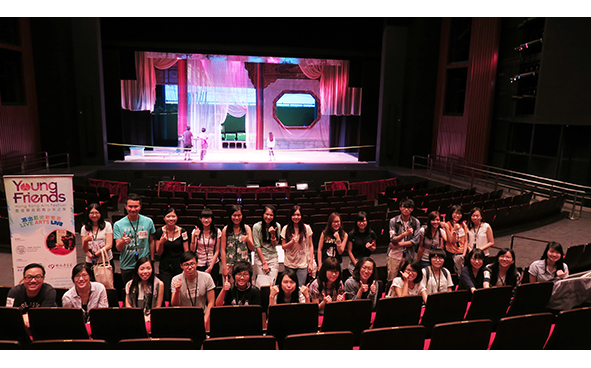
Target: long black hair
<point>235,208</point>
<point>557,247</point>
<point>136,280</point>
<point>265,227</point>
<point>101,221</point>
<point>361,216</point>
<point>357,269</point>
<point>472,211</point>
<point>208,213</point>
<point>430,217</point>
<point>291,273</point>
<point>511,276</point>
<point>291,226</point>
<point>416,266</point>
<point>329,231</point>
<point>329,264</point>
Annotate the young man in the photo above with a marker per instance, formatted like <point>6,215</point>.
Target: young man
<point>404,238</point>
<point>134,237</point>
<point>193,288</point>
<point>187,143</point>
<point>32,293</point>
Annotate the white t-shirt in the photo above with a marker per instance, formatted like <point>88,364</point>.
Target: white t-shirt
<point>191,297</point>
<point>436,284</point>
<point>99,241</point>
<point>399,282</point>
<point>297,255</point>
<point>478,238</point>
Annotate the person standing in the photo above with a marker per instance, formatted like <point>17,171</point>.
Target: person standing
<point>404,238</point>
<point>134,237</point>
<point>203,137</point>
<point>270,146</point>
<point>187,143</point>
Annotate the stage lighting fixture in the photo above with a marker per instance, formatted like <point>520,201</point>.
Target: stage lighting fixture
<point>281,184</point>
<point>302,186</point>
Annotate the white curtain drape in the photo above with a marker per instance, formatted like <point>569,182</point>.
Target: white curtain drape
<point>217,88</point>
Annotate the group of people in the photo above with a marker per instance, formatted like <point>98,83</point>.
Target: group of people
<point>419,260</point>
<point>187,142</point>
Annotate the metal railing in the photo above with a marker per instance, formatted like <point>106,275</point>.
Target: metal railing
<point>527,238</point>
<point>496,178</point>
<point>33,162</point>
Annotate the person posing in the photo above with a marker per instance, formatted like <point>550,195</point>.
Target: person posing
<point>193,288</point>
<point>333,240</point>
<point>205,241</point>
<point>480,234</point>
<point>236,243</point>
<point>134,237</point>
<point>550,266</point>
<point>473,274</point>
<point>85,294</point>
<point>32,292</point>
<point>271,146</point>
<point>241,292</point>
<point>457,239</point>
<point>503,271</point>
<point>437,278</point>
<point>362,240</point>
<point>144,290</point>
<point>296,241</point>
<point>433,236</point>
<point>265,237</point>
<point>362,284</point>
<point>187,142</point>
<point>172,242</point>
<point>287,290</point>
<point>409,282</point>
<point>328,287</point>
<point>203,138</point>
<point>404,238</point>
<point>97,237</point>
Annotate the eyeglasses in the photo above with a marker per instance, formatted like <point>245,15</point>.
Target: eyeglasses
<point>36,277</point>
<point>81,276</point>
<point>242,275</point>
<point>189,264</point>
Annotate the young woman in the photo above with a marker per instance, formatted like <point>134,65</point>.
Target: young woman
<point>328,287</point>
<point>236,242</point>
<point>503,271</point>
<point>409,282</point>
<point>480,234</point>
<point>85,294</point>
<point>333,240</point>
<point>97,237</point>
<point>171,243</point>
<point>473,274</point>
<point>432,237</point>
<point>271,145</point>
<point>437,278</point>
<point>363,284</point>
<point>241,292</point>
<point>362,240</point>
<point>286,289</point>
<point>457,239</point>
<point>265,235</point>
<point>205,241</point>
<point>296,241</point>
<point>193,288</point>
<point>145,290</point>
<point>550,266</point>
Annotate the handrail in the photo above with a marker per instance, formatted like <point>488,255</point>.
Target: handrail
<point>31,162</point>
<point>527,238</point>
<point>483,173</point>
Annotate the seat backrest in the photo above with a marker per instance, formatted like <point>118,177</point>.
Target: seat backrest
<point>531,298</point>
<point>584,263</point>
<point>57,323</point>
<point>461,335</point>
<point>350,315</point>
<point>156,344</point>
<point>490,303</point>
<point>393,338</point>
<point>572,256</point>
<point>69,344</point>
<point>13,327</point>
<point>114,324</point>
<point>526,332</point>
<point>236,320</point>
<point>571,330</point>
<point>445,307</point>
<point>178,322</point>
<point>240,343</point>
<point>403,311</point>
<point>289,319</point>
<point>342,340</point>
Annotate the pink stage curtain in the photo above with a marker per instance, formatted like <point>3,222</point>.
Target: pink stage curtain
<point>372,188</point>
<point>116,187</point>
<point>140,94</point>
<point>336,98</point>
<point>218,87</point>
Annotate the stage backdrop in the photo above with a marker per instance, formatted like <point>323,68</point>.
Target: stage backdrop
<point>41,217</point>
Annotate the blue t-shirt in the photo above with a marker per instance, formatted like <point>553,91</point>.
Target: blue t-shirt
<point>139,231</point>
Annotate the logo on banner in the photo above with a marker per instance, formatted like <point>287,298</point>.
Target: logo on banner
<point>37,192</point>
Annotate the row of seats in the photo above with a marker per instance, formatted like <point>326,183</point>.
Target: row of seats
<point>225,195</point>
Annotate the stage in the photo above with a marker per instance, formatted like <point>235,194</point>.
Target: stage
<point>243,156</point>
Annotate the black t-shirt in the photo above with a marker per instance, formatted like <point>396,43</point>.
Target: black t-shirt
<point>171,252</point>
<point>359,240</point>
<point>250,296</point>
<point>17,297</point>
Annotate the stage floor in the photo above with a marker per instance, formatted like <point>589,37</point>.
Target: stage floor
<point>244,156</point>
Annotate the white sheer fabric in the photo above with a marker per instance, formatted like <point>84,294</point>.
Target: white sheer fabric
<point>217,88</point>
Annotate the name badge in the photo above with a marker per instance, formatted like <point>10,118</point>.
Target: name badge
<point>185,237</point>
<point>142,234</point>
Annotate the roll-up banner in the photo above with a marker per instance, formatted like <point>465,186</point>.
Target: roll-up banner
<point>42,230</point>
